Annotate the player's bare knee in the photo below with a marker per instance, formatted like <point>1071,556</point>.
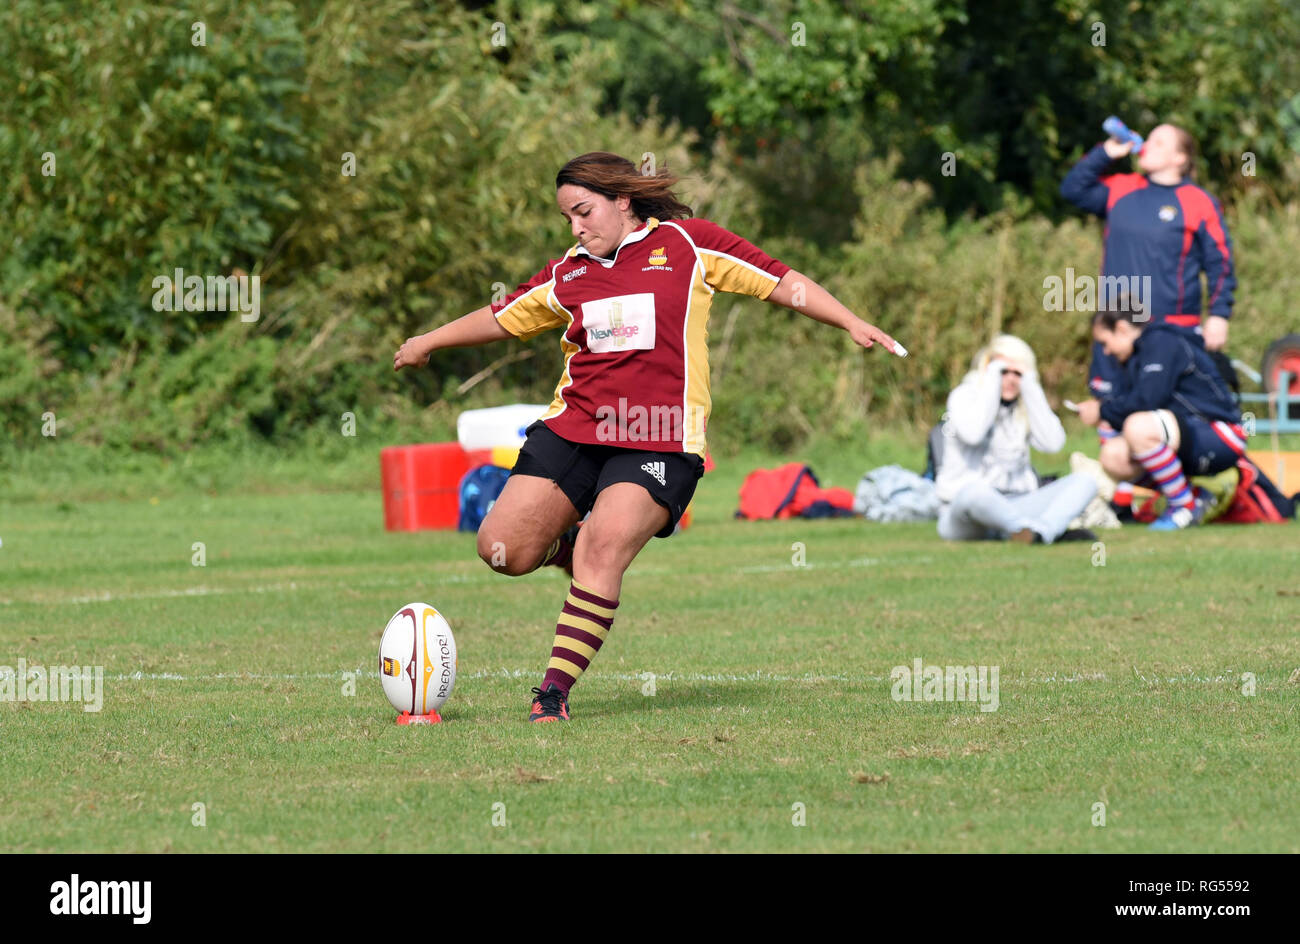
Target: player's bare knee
<point>599,546</point>
<point>493,550</point>
<point>1142,430</point>
<point>591,544</point>
<point>1116,463</point>
<point>1115,456</point>
<point>485,540</point>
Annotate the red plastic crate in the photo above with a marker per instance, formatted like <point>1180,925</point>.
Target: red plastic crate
<point>421,484</point>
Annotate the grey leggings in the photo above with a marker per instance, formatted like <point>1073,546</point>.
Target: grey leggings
<point>980,512</point>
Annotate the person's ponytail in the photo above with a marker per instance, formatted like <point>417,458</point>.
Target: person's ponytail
<point>1186,144</point>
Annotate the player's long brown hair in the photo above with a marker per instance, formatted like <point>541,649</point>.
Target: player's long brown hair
<point>1186,144</point>
<point>613,176</point>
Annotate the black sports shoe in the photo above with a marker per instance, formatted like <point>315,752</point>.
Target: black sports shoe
<point>1078,534</point>
<point>549,705</point>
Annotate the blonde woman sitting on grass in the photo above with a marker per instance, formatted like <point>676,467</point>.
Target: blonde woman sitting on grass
<point>987,486</point>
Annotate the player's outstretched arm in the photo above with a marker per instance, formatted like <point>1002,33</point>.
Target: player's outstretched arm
<point>478,327</point>
<point>800,293</point>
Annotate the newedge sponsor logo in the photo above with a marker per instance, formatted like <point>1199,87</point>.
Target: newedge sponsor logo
<point>76,897</point>
<point>83,683</point>
<point>619,324</point>
<point>946,683</point>
<point>617,331</point>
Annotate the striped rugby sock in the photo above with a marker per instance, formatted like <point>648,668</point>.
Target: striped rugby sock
<point>581,630</point>
<point>559,554</point>
<point>1163,466</point>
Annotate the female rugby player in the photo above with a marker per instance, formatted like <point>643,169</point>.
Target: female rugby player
<point>1159,225</point>
<point>624,438</point>
<point>1176,417</point>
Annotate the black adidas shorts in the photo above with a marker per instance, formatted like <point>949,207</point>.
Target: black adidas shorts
<point>582,470</point>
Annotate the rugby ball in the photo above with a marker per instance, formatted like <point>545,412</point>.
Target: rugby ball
<point>417,660</point>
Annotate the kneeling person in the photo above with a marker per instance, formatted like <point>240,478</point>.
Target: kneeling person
<point>1177,417</point>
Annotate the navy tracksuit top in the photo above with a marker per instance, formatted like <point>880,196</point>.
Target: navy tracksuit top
<point>1170,233</point>
<point>1169,370</point>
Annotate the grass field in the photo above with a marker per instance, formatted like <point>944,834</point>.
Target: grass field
<point>226,685</point>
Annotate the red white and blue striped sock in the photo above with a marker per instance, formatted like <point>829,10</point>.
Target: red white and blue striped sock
<point>1163,466</point>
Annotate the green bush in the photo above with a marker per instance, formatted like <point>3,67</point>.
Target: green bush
<point>231,155</point>
<point>166,155</point>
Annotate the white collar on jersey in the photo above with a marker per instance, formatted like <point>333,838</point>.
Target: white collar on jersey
<point>633,237</point>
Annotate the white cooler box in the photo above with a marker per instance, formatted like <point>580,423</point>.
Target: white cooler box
<point>497,426</point>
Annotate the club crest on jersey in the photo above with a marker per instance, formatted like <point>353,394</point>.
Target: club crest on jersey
<point>1168,212</point>
<point>658,261</point>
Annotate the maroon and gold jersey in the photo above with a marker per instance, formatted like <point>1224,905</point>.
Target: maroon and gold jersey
<point>635,343</point>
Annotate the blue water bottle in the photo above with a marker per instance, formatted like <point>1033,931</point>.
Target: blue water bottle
<point>1121,132</point>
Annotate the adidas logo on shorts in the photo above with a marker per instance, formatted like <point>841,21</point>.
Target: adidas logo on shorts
<point>655,469</point>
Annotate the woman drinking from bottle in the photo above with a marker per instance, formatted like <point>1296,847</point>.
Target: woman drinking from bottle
<point>1162,233</point>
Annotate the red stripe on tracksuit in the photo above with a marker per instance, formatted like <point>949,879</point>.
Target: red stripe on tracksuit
<point>1232,434</point>
<point>1198,208</point>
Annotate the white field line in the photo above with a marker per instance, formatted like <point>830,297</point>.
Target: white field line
<point>294,585</point>
<point>809,678</point>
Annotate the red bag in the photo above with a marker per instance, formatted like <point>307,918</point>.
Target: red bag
<point>788,491</point>
<point>1257,499</point>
